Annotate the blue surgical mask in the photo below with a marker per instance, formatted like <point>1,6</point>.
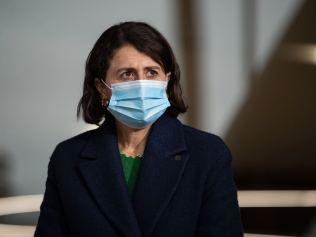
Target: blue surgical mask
<point>138,103</point>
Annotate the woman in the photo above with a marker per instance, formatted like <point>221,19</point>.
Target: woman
<point>141,172</point>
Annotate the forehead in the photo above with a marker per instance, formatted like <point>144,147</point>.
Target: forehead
<point>129,56</point>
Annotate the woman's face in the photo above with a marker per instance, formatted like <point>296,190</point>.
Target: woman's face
<point>129,64</point>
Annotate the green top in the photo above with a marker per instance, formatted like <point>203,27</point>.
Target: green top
<point>130,166</point>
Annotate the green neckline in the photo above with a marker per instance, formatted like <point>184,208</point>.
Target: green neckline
<point>131,157</point>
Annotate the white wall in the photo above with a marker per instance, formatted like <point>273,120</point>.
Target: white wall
<point>44,45</point>
<point>223,79</point>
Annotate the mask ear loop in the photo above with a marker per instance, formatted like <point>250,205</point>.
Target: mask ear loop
<point>107,101</point>
<point>106,84</point>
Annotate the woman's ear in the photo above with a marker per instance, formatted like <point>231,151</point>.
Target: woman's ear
<point>168,75</point>
<point>101,88</point>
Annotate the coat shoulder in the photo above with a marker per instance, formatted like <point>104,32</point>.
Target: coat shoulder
<point>204,139</point>
<point>75,141</point>
<point>208,146</point>
<point>71,147</point>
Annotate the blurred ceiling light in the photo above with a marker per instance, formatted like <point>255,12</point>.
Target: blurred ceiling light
<point>277,198</point>
<point>267,198</point>
<point>261,198</point>
<point>304,53</point>
<point>16,230</point>
<point>260,235</point>
<point>20,204</point>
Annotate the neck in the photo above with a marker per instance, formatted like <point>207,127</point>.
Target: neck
<point>131,141</point>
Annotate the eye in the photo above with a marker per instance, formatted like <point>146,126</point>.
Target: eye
<point>127,75</point>
<point>152,73</point>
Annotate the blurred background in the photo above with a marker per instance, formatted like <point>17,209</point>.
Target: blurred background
<point>248,75</point>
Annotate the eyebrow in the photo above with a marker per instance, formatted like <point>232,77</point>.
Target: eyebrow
<point>131,68</point>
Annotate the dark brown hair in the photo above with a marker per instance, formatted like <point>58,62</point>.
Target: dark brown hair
<point>145,39</point>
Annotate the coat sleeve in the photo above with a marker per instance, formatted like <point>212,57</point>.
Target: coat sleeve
<point>219,214</point>
<point>51,220</point>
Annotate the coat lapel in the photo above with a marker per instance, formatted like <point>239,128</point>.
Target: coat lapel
<point>161,169</point>
<point>160,172</point>
<point>102,171</point>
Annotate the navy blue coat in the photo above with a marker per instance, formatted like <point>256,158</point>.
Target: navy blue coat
<point>185,186</point>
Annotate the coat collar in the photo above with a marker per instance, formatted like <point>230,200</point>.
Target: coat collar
<point>160,171</point>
